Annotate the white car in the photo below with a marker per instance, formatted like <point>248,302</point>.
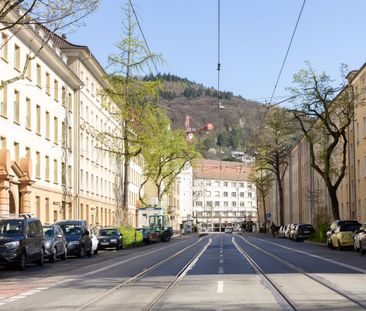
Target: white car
<point>94,240</point>
<point>361,234</point>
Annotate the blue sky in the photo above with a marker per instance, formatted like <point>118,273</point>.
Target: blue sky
<point>254,38</point>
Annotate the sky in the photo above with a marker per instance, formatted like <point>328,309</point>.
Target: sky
<point>254,38</point>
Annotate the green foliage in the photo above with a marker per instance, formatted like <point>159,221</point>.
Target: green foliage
<point>129,236</point>
<point>320,235</point>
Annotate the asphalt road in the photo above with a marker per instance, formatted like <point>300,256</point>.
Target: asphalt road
<point>214,272</point>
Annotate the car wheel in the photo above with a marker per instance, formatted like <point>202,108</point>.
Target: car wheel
<point>89,252</point>
<point>64,255</point>
<point>40,262</point>
<point>362,251</point>
<point>355,247</point>
<point>118,246</point>
<point>339,246</point>
<point>330,244</point>
<point>22,261</point>
<point>96,252</point>
<point>54,255</point>
<point>81,252</point>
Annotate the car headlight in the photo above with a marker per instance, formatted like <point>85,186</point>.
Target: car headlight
<point>12,244</point>
<point>74,242</point>
<point>114,240</point>
<point>47,244</point>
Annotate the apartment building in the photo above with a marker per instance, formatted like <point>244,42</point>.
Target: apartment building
<point>37,170</point>
<point>222,195</point>
<point>54,163</point>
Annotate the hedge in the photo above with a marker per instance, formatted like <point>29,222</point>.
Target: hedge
<point>129,234</point>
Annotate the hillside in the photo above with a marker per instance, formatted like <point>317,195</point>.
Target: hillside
<point>238,118</point>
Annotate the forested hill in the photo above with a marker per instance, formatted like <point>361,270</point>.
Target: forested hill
<point>239,117</point>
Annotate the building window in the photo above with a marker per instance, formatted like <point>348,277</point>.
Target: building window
<point>38,108</point>
<point>242,204</point>
<point>358,169</point>
<point>55,129</point>
<point>16,106</point>
<point>48,84</point>
<point>39,76</point>
<point>226,194</point>
<point>17,57</point>
<point>55,91</point>
<point>233,194</point>
<point>249,194</point>
<point>357,133</point>
<point>70,138</point>
<point>28,74</point>
<point>4,102</point>
<point>47,125</point>
<point>241,185</point>
<point>225,183</point>
<point>70,176</point>
<point>217,193</point>
<point>208,193</point>
<point>242,194</point>
<point>16,152</point>
<point>4,46</point>
<point>63,174</point>
<point>28,152</point>
<point>217,203</point>
<point>63,95</point>
<point>233,204</point>
<point>198,203</point>
<point>47,168</point>
<point>233,184</point>
<point>82,179</point>
<point>63,133</point>
<point>38,164</point>
<point>226,203</point>
<point>29,114</point>
<point>55,171</point>
<point>3,144</point>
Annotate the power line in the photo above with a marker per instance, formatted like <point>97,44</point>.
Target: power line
<point>143,36</point>
<point>218,65</point>
<point>287,52</point>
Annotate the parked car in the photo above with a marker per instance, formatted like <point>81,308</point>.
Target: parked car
<point>287,231</point>
<point>77,237</point>
<point>302,232</point>
<point>21,241</point>
<point>281,232</point>
<point>360,235</point>
<point>110,238</point>
<point>55,242</point>
<point>341,233</point>
<point>145,235</point>
<point>94,239</point>
<point>292,231</point>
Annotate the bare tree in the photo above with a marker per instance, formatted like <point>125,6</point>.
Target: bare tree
<point>324,112</point>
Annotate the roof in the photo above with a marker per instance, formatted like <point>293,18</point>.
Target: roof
<point>221,170</point>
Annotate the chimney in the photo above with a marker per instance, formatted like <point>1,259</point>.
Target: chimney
<point>64,36</point>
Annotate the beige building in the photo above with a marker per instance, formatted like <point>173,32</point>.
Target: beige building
<point>52,161</point>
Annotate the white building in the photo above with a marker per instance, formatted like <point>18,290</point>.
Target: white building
<point>185,182</point>
<point>222,195</point>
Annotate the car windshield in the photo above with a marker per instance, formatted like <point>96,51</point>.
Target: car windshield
<point>349,227</point>
<point>107,232</point>
<point>71,229</point>
<point>48,232</point>
<point>11,227</point>
<point>306,227</point>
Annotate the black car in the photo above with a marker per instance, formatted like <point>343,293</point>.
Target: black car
<point>55,242</point>
<point>21,241</point>
<point>110,238</point>
<point>302,232</point>
<point>77,237</point>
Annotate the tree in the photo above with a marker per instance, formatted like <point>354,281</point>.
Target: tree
<point>48,16</point>
<point>274,146</point>
<point>324,112</point>
<point>166,153</point>
<point>131,99</point>
<point>262,180</point>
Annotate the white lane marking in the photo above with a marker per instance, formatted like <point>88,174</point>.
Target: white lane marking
<point>42,288</point>
<point>220,287</point>
<point>316,256</point>
<point>221,260</point>
<point>221,270</point>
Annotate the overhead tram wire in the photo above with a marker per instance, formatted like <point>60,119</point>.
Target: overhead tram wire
<point>287,52</point>
<point>218,65</point>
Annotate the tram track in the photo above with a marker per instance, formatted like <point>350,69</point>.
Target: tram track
<point>328,285</point>
<point>132,280</point>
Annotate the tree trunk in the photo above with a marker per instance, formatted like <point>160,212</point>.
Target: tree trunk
<point>264,213</point>
<point>334,201</point>
<point>125,175</point>
<point>280,193</point>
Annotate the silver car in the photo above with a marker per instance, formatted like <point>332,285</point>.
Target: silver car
<point>54,242</point>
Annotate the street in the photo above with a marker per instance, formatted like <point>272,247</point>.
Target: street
<point>213,272</point>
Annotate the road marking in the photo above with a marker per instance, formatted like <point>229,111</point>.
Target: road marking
<point>316,256</point>
<point>221,270</point>
<point>221,260</point>
<point>220,287</point>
